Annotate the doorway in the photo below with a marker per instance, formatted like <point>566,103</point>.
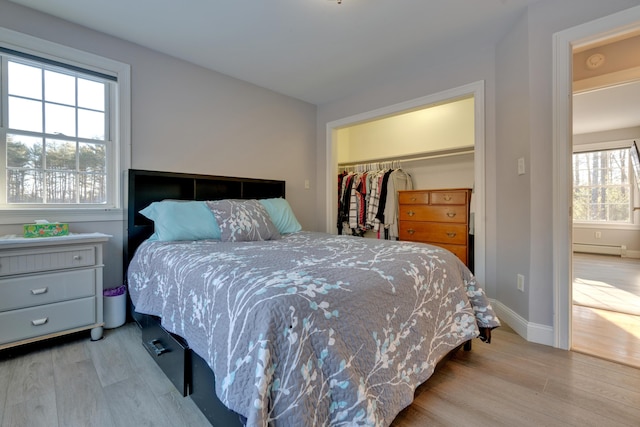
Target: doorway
<point>617,24</point>
<point>475,90</point>
<point>606,277</point>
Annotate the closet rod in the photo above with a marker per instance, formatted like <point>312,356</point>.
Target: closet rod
<point>435,155</point>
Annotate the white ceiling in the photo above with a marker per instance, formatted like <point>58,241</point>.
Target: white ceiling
<point>314,50</point>
<point>320,51</point>
<point>616,107</point>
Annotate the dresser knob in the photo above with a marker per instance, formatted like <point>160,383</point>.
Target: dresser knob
<point>39,322</point>
<point>451,234</point>
<point>447,197</point>
<point>451,214</point>
<point>411,213</point>
<point>411,231</point>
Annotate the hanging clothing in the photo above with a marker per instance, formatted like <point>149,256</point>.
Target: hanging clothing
<point>369,199</point>
<point>399,180</point>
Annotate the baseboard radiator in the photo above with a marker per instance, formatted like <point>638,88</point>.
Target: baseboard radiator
<point>587,248</point>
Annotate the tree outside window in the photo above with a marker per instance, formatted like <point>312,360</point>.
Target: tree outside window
<point>601,186</point>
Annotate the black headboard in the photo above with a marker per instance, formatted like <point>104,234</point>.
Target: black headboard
<point>152,186</point>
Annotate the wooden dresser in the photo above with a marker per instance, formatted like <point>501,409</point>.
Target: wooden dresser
<point>50,286</point>
<point>437,217</point>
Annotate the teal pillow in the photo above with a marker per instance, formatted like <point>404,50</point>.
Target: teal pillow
<point>182,220</point>
<point>281,215</point>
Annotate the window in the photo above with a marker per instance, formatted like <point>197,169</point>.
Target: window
<point>602,191</point>
<point>57,135</point>
<point>63,126</point>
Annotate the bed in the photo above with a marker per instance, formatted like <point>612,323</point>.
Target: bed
<point>282,326</point>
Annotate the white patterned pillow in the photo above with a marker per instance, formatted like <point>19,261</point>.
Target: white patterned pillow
<point>243,221</point>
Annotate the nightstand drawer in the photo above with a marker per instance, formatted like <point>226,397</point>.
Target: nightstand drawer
<point>29,291</point>
<point>17,325</point>
<point>34,261</point>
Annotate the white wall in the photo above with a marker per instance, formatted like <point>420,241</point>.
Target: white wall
<point>189,119</point>
<point>443,127</point>
<point>533,50</point>
<point>417,134</point>
<point>518,77</point>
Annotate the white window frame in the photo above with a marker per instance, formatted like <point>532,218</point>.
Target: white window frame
<point>117,164</point>
<point>634,196</point>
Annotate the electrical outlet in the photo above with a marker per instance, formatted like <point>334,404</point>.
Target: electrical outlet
<point>520,282</point>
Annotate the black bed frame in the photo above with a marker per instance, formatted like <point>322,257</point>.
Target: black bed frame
<point>188,371</point>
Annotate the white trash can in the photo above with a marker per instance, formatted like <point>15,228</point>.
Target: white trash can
<point>114,307</point>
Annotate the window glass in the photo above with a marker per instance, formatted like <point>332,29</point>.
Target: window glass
<point>25,114</point>
<point>29,84</point>
<point>601,186</point>
<point>57,139</point>
<point>91,124</point>
<point>59,120</point>
<point>91,94</point>
<point>60,88</point>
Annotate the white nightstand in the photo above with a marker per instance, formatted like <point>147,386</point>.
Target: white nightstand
<point>50,286</point>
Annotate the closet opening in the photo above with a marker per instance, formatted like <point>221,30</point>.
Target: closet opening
<point>437,139</point>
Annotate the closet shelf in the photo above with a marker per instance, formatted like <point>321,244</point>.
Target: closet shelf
<point>413,157</point>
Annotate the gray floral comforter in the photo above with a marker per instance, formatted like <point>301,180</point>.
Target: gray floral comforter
<point>312,329</point>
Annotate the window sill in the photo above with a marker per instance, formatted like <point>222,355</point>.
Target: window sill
<point>28,216</point>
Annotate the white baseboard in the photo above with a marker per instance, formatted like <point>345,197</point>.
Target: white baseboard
<point>632,254</point>
<point>533,332</point>
<point>589,248</point>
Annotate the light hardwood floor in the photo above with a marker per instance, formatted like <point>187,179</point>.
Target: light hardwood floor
<point>608,333</point>
<point>114,382</point>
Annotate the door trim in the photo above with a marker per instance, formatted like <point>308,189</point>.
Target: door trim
<point>563,43</point>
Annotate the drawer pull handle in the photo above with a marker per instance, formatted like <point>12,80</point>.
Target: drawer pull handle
<point>451,214</point>
<point>39,291</point>
<point>451,234</point>
<point>413,199</point>
<point>157,347</point>
<point>411,231</point>
<point>39,322</point>
<point>77,257</point>
<point>411,213</point>
<point>447,197</point>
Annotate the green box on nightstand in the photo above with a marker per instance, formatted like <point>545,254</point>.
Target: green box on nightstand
<point>46,230</point>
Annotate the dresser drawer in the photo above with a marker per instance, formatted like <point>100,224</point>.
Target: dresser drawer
<point>23,262</point>
<point>17,325</point>
<point>38,289</point>
<point>413,197</point>
<point>417,231</point>
<point>458,250</point>
<point>454,213</point>
<point>448,197</point>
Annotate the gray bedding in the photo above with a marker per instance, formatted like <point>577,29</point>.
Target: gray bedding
<point>312,329</point>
